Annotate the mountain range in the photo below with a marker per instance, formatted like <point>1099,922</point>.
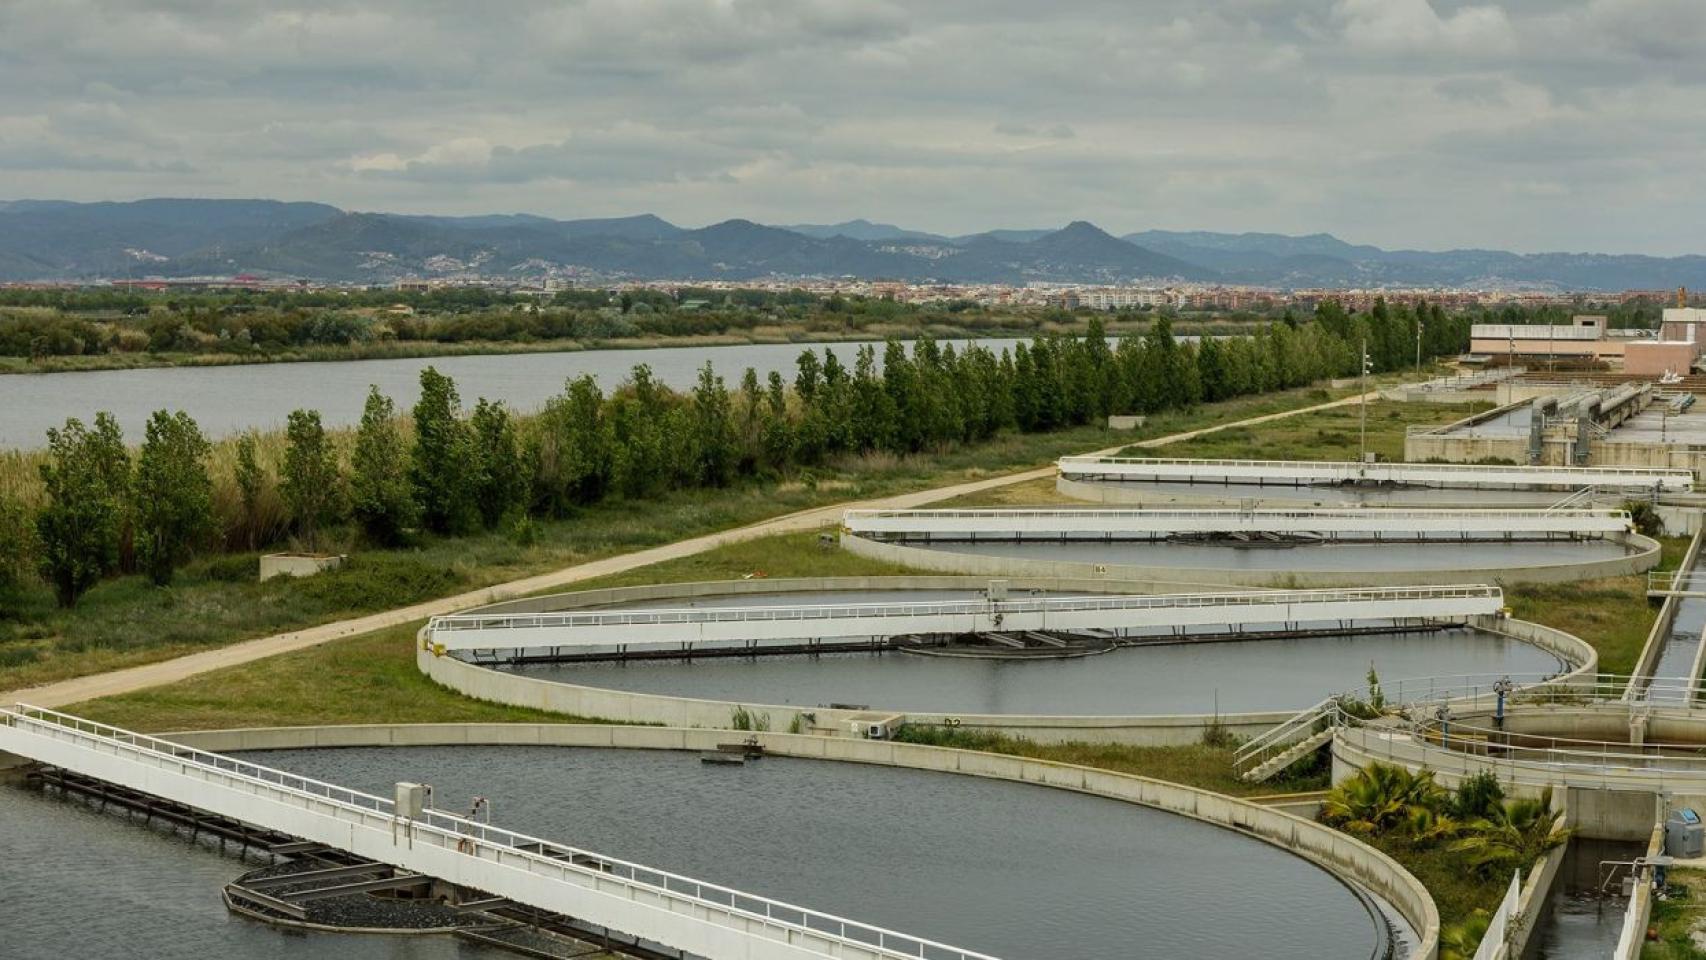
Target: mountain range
<point>62,240</point>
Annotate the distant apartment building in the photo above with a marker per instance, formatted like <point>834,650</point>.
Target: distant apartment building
<point>1120,298</point>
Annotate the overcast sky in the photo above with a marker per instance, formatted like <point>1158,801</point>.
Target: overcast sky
<point>1525,124</point>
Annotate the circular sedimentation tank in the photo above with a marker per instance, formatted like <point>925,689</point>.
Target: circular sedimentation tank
<point>1155,676</point>
<point>1148,686</point>
<point>1014,870</point>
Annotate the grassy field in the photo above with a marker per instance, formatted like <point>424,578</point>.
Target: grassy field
<point>1678,919</point>
<point>125,621</point>
<point>1324,435</point>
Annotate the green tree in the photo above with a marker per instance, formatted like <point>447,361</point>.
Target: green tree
<point>174,494</point>
<point>570,449</point>
<point>251,479</point>
<point>382,498</point>
<point>441,467</point>
<point>17,541</point>
<point>80,527</point>
<point>1380,797</point>
<point>1513,835</point>
<point>714,430</point>
<point>311,484</point>
<point>500,487</point>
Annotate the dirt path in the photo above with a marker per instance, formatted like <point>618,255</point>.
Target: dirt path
<point>128,679</point>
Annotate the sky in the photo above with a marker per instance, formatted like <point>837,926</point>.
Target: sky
<point>1530,125</point>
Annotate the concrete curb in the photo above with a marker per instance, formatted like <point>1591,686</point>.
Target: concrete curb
<point>1336,852</point>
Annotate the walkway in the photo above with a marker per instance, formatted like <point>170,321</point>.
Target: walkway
<point>690,915</point>
<point>79,689</point>
<point>846,621</point>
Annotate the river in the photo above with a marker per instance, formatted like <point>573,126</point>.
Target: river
<point>229,400</point>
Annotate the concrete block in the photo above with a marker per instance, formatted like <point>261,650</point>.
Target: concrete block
<point>298,564</point>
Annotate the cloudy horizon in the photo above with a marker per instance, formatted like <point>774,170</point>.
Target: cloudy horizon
<point>1528,125</point>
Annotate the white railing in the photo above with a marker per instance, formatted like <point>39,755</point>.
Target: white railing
<point>1493,941</point>
<point>1105,521</point>
<point>1279,472</point>
<point>483,841</point>
<point>1677,582</point>
<point>768,614</point>
<point>1276,740</point>
<point>1572,503</point>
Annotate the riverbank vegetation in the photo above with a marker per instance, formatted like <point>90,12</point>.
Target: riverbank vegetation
<point>214,599</point>
<point>105,328</point>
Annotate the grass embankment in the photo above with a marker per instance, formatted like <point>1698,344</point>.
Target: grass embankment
<point>125,621</point>
<point>1322,435</point>
<point>1325,435</point>
<point>1680,921</point>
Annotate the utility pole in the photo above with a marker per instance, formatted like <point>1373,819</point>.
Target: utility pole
<point>1362,404</point>
<point>1418,346</point>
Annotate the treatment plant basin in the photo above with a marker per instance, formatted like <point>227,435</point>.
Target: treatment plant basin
<point>1392,556</point>
<point>1015,870</point>
<point>1169,493</point>
<point>1159,675</point>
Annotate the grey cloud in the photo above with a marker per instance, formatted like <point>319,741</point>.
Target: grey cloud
<point>1403,122</point>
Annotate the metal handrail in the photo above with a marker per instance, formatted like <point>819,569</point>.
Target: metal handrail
<point>1315,466</point>
<point>466,836</point>
<point>1378,514</point>
<point>1671,579</point>
<point>683,615</point>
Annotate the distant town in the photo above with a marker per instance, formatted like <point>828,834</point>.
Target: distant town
<point>1066,296</point>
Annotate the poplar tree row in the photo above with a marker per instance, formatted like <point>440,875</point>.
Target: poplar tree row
<point>450,471</point>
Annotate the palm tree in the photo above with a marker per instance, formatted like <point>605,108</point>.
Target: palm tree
<point>1460,940</point>
<point>1513,835</point>
<point>1381,797</point>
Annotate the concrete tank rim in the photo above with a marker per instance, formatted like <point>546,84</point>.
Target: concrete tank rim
<point>1579,656</point>
<point>1219,812</point>
<point>1644,556</point>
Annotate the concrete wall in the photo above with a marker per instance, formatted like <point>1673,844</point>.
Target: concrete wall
<point>1644,556</point>
<point>1611,804</point>
<point>1329,848</point>
<point>1629,946</point>
<point>297,564</point>
<point>1660,633</point>
<point>1230,495</point>
<point>497,686</point>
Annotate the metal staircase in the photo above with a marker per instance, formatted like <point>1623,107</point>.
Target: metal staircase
<point>1275,750</point>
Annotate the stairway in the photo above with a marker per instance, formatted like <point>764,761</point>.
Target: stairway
<point>1285,758</point>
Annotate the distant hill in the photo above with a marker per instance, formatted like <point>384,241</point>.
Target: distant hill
<point>1323,260</point>
<point>60,240</point>
<point>863,230</point>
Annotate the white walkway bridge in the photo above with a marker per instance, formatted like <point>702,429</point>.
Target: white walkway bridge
<point>1132,524</point>
<point>756,626</point>
<point>702,919</point>
<point>1302,473</point>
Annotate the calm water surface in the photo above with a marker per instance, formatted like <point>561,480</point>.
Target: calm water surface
<point>227,400</point>
<point>1012,869</point>
<point>80,884</point>
<point>1245,676</point>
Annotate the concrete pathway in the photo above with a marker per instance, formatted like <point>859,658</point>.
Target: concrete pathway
<point>129,679</point>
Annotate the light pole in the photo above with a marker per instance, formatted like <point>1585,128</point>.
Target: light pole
<point>1362,404</point>
<point>1418,346</point>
